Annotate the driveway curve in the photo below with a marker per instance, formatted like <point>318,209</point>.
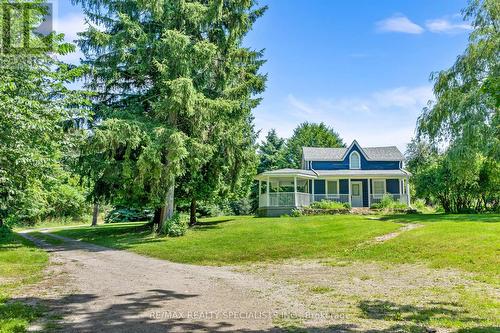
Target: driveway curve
<point>106,290</point>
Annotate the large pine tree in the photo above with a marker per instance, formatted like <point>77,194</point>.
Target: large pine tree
<point>175,93</point>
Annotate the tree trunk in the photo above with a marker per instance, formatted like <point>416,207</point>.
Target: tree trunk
<point>192,214</point>
<point>157,218</point>
<point>95,214</point>
<point>167,211</point>
<point>169,206</point>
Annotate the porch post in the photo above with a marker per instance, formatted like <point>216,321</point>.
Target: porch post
<point>350,204</point>
<point>267,192</point>
<point>313,193</point>
<point>369,193</point>
<point>260,191</point>
<point>408,190</point>
<point>400,190</point>
<point>295,190</point>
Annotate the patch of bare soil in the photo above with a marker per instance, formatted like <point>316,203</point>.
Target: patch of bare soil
<point>362,297</point>
<point>406,227</point>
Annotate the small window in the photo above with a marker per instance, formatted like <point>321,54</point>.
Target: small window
<point>354,161</point>
<point>355,190</point>
<point>333,187</point>
<point>379,187</point>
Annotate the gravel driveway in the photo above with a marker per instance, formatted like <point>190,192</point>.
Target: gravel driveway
<point>98,289</point>
<point>89,288</point>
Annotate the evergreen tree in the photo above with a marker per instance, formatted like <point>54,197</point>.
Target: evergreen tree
<point>271,152</point>
<point>175,94</point>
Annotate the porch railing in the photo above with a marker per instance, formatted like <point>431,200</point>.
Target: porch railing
<point>377,198</point>
<point>342,198</point>
<point>287,199</point>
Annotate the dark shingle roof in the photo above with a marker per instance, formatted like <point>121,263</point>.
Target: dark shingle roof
<point>366,173</point>
<point>391,153</point>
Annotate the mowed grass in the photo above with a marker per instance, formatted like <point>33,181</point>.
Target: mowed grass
<point>467,242</point>
<point>235,240</point>
<point>21,263</point>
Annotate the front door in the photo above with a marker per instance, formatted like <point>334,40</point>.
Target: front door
<point>356,194</point>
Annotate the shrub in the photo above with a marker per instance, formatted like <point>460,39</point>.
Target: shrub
<point>67,200</point>
<point>327,204</point>
<point>4,231</point>
<point>421,206</point>
<point>388,203</point>
<point>296,213</point>
<point>128,215</point>
<point>175,226</point>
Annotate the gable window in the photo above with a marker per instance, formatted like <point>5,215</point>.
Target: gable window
<point>354,160</point>
<point>378,187</point>
<point>332,187</point>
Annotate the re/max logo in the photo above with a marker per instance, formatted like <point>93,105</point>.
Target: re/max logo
<point>26,27</point>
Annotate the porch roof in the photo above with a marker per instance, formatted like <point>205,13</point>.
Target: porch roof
<point>302,173</point>
<point>287,173</point>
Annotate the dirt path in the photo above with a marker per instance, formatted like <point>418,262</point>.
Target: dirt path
<point>103,290</point>
<point>406,227</point>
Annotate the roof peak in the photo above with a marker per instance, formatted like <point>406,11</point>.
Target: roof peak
<point>379,153</point>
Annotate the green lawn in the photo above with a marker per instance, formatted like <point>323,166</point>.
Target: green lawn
<point>233,240</point>
<point>467,242</point>
<point>60,223</point>
<point>20,264</point>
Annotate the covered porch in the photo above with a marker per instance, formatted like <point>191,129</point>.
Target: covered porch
<point>280,191</point>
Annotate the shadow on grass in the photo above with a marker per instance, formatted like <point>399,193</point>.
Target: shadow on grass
<point>415,218</point>
<point>154,311</point>
<point>208,225</point>
<point>385,310</point>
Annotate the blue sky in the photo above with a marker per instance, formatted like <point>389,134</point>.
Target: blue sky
<point>361,67</point>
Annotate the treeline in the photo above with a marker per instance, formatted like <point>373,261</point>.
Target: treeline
<point>457,184</point>
<point>39,117</point>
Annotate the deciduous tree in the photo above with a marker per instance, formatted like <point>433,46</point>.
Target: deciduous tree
<point>310,135</point>
<point>36,106</point>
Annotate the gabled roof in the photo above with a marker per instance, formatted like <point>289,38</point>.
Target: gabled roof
<point>390,153</point>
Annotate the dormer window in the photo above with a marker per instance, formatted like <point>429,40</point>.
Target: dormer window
<point>354,160</point>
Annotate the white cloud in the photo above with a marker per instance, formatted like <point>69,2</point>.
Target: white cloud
<point>409,99</point>
<point>399,23</point>
<point>71,25</point>
<point>386,117</point>
<point>444,25</point>
<point>298,104</point>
